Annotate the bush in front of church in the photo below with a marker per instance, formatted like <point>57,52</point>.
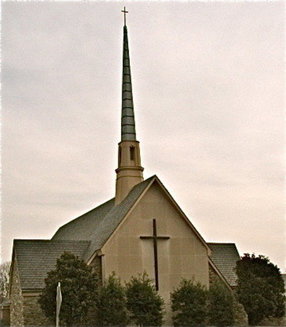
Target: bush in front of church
<point>220,305</point>
<point>260,288</point>
<point>189,304</point>
<point>144,303</point>
<point>78,287</point>
<point>111,304</point>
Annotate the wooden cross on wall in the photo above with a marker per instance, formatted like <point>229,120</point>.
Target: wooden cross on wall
<point>155,239</point>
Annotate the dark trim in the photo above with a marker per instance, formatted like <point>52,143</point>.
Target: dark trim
<point>155,239</point>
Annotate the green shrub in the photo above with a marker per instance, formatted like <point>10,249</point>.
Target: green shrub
<point>260,288</point>
<point>220,308</point>
<point>189,304</point>
<point>78,286</point>
<point>111,304</point>
<point>144,302</point>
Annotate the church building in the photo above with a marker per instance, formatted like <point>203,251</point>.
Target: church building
<point>141,229</point>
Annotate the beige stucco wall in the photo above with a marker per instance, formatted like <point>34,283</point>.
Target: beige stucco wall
<point>182,256</point>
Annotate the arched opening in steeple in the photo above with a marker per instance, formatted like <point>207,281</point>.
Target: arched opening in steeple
<point>132,153</point>
<point>119,156</point>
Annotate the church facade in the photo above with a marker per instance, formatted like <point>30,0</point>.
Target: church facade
<point>141,229</point>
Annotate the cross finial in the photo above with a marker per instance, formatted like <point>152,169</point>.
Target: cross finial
<point>125,12</point>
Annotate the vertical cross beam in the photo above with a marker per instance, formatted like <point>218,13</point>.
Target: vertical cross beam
<point>155,239</point>
<point>155,246</point>
<point>125,12</point>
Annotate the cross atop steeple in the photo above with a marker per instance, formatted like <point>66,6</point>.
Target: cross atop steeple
<point>125,12</point>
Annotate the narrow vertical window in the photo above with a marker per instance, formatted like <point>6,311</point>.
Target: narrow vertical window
<point>119,156</point>
<point>132,153</point>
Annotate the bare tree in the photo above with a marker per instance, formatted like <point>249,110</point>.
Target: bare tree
<point>4,280</point>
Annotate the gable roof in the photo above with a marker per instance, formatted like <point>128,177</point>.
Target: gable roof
<point>82,236</point>
<point>35,258</point>
<point>83,227</point>
<point>98,224</point>
<point>225,256</point>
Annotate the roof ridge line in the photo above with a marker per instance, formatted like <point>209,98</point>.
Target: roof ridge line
<point>147,182</point>
<point>84,214</point>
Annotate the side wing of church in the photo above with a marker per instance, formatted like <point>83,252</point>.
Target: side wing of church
<point>141,229</point>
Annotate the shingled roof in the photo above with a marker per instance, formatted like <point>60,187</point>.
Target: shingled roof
<point>83,227</point>
<point>225,256</point>
<point>98,224</point>
<point>82,237</point>
<point>88,233</point>
<point>37,257</point>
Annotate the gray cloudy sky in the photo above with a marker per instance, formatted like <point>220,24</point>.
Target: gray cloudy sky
<point>208,82</point>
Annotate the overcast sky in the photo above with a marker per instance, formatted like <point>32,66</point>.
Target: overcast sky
<point>208,82</point>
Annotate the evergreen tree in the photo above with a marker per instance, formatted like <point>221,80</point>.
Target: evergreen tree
<point>78,287</point>
<point>189,304</point>
<point>144,302</point>
<point>220,309</point>
<point>260,288</point>
<point>111,304</point>
<point>4,280</point>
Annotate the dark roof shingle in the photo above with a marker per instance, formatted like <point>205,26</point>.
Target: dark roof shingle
<point>35,258</point>
<point>225,256</point>
<point>82,236</point>
<point>98,224</point>
<point>83,227</point>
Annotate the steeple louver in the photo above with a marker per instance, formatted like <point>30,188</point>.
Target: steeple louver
<point>128,132</point>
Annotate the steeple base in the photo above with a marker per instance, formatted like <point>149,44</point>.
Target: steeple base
<point>126,179</point>
<point>129,171</point>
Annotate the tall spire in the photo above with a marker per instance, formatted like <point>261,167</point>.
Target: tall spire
<point>129,171</point>
<point>127,119</point>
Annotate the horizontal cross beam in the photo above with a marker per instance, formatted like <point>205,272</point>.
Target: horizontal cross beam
<point>155,238</point>
<point>152,237</point>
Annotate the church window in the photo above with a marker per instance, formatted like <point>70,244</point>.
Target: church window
<point>119,156</point>
<point>132,153</point>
